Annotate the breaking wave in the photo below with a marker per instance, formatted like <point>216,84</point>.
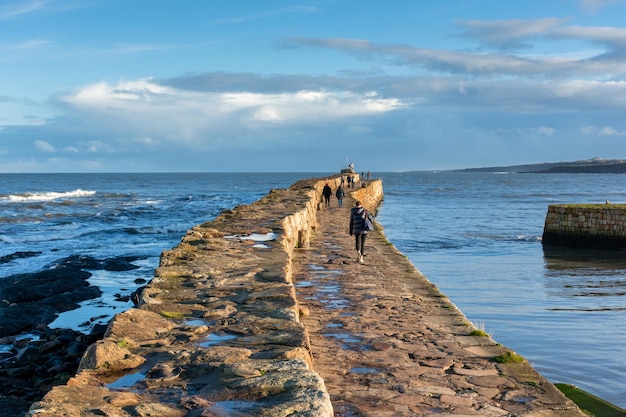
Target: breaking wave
<point>46,196</point>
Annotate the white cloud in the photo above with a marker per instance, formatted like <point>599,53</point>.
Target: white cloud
<point>44,146</point>
<point>604,61</point>
<point>145,109</point>
<point>593,6</point>
<point>546,131</point>
<point>602,131</point>
<point>16,8</point>
<point>509,33</point>
<point>609,131</point>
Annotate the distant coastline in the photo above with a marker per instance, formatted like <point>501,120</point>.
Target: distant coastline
<point>589,166</point>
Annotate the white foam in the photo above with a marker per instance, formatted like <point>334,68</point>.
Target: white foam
<point>47,196</point>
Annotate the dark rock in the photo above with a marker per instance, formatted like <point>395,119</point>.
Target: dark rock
<point>8,258</point>
<point>122,263</point>
<point>135,297</point>
<point>12,406</point>
<point>77,262</point>
<point>29,354</point>
<point>76,349</point>
<point>22,318</point>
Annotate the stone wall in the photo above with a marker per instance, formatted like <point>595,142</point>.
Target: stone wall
<point>217,331</point>
<point>596,226</point>
<point>370,194</point>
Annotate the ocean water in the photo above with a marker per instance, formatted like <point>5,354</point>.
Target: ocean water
<point>474,235</point>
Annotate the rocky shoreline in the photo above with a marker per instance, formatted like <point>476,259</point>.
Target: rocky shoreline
<point>35,357</point>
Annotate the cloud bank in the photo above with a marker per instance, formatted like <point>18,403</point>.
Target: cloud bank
<point>501,95</point>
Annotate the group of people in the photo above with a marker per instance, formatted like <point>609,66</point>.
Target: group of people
<point>360,219</point>
<point>327,193</point>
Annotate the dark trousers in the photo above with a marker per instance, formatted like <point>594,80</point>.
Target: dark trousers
<point>359,240</point>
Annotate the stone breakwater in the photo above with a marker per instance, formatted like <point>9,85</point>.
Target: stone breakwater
<point>595,226</point>
<point>236,322</point>
<point>217,331</point>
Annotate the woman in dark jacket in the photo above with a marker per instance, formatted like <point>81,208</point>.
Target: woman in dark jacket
<point>357,215</point>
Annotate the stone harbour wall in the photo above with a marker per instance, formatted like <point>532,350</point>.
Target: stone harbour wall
<point>595,226</point>
<point>217,331</point>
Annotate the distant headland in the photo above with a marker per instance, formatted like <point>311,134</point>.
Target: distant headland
<point>589,166</point>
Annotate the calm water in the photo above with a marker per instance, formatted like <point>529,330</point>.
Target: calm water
<point>475,235</point>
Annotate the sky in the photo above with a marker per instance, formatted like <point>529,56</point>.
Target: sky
<point>309,85</point>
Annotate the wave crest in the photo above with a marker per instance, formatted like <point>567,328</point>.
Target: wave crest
<point>47,196</point>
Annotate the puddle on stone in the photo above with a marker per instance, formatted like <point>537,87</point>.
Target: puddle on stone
<point>334,325</point>
<point>344,337</point>
<point>365,370</point>
<point>336,304</point>
<point>261,246</point>
<point>231,408</point>
<point>213,339</point>
<point>258,237</point>
<point>316,267</point>
<point>523,400</point>
<point>329,288</point>
<point>196,322</point>
<point>303,284</point>
<point>126,381</point>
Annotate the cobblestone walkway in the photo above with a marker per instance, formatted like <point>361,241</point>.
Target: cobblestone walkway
<point>388,343</point>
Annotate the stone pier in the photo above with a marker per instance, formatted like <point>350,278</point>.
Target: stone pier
<point>265,311</point>
<point>593,226</point>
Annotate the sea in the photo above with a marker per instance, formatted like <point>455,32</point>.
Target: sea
<point>475,235</point>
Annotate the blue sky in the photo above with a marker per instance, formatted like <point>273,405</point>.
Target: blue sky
<point>253,86</point>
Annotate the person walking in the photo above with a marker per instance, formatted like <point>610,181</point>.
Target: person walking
<point>340,194</point>
<point>358,228</point>
<point>327,192</point>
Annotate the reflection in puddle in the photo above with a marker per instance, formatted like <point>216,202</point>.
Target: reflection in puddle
<point>348,340</point>
<point>213,339</point>
<point>126,381</point>
<point>329,288</point>
<point>334,325</point>
<point>365,370</point>
<point>195,323</point>
<point>337,304</point>
<point>231,408</point>
<point>257,237</point>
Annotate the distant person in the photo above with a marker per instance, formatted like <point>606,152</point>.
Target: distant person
<point>349,181</point>
<point>368,175</point>
<point>340,194</point>
<point>327,192</point>
<point>358,214</point>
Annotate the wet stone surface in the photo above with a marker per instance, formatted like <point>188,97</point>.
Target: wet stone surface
<point>388,343</point>
<point>236,323</point>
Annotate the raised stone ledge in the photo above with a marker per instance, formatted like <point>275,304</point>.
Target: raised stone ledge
<point>217,331</point>
<point>593,226</point>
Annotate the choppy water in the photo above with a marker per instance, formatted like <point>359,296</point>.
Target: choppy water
<point>475,235</point>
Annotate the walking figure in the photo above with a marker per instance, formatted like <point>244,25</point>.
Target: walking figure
<point>340,194</point>
<point>359,218</point>
<point>327,192</point>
